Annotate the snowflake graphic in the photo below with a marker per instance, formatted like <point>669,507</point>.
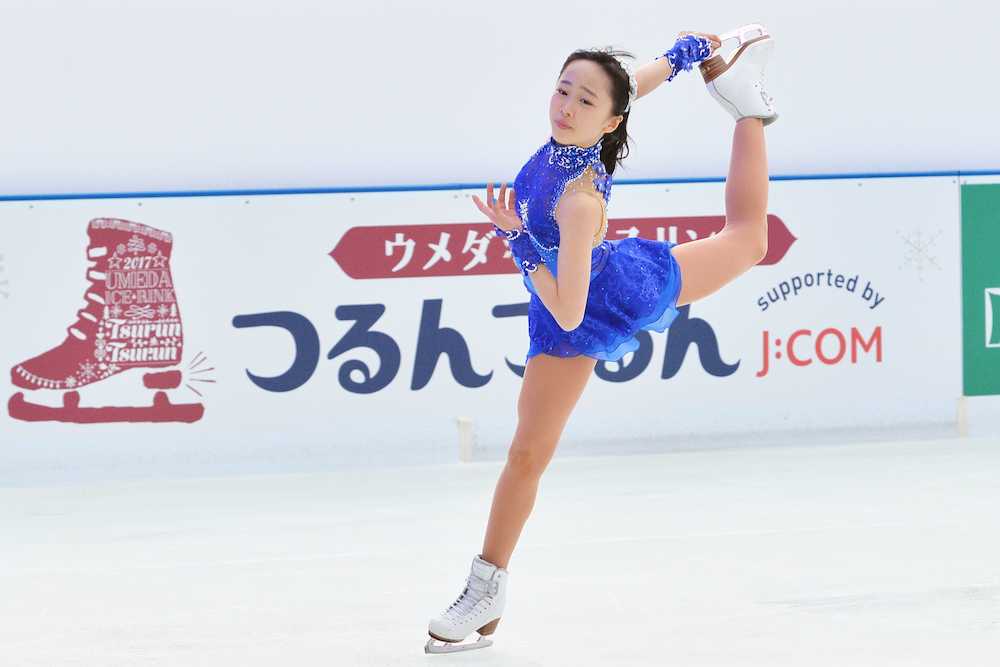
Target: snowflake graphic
<point>116,310</point>
<point>71,382</point>
<point>162,310</point>
<point>916,252</point>
<point>87,371</point>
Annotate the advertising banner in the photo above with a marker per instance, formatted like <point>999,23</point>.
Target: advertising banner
<point>375,326</point>
<point>981,288</point>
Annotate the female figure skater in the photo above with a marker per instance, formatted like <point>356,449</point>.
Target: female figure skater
<point>589,296</point>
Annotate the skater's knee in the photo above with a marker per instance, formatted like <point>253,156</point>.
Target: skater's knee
<point>528,461</point>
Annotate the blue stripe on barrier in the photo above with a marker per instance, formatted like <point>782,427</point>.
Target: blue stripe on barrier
<point>469,186</point>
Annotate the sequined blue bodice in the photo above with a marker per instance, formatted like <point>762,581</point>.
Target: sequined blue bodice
<point>634,282</point>
<point>539,185</point>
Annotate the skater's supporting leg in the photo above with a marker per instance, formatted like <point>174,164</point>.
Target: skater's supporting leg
<point>550,389</point>
<point>708,264</point>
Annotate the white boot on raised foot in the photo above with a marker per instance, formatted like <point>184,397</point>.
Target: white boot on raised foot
<point>737,82</point>
<point>477,608</point>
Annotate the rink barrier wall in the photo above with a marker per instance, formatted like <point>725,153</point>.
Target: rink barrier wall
<point>321,355</point>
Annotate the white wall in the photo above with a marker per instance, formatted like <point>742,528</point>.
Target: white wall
<point>143,95</point>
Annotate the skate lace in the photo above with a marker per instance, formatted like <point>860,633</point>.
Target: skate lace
<point>476,589</point>
<point>92,277</point>
<point>763,91</point>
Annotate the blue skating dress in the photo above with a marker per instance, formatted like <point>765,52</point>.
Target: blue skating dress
<point>634,282</point>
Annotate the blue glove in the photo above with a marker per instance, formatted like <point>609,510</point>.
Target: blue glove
<point>686,52</point>
<point>522,250</point>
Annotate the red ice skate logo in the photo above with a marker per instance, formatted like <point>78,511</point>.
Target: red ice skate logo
<point>130,320</point>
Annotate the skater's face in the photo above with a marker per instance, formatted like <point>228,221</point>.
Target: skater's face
<point>581,104</point>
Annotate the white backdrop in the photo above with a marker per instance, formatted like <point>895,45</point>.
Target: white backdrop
<point>152,95</point>
<point>239,256</point>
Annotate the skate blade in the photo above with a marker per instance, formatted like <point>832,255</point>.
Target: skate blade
<point>162,410</point>
<point>744,33</point>
<point>437,646</point>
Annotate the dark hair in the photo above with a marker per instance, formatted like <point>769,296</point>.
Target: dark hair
<point>615,147</point>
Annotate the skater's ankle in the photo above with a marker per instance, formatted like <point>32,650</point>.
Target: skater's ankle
<point>499,562</point>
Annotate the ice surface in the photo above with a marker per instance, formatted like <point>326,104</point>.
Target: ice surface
<point>849,554</point>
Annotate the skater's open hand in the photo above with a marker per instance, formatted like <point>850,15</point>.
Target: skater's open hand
<point>502,212</point>
<point>713,38</point>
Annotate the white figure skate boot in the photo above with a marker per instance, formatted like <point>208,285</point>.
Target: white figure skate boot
<point>477,608</point>
<point>737,82</point>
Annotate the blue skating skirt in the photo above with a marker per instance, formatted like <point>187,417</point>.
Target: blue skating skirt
<point>634,285</point>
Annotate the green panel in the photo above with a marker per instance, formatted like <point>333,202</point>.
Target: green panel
<point>981,289</point>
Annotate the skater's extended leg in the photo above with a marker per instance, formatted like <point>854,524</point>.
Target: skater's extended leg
<point>550,389</point>
<point>708,264</point>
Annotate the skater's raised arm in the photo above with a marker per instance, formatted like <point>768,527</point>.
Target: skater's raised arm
<point>659,70</point>
<point>651,75</point>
